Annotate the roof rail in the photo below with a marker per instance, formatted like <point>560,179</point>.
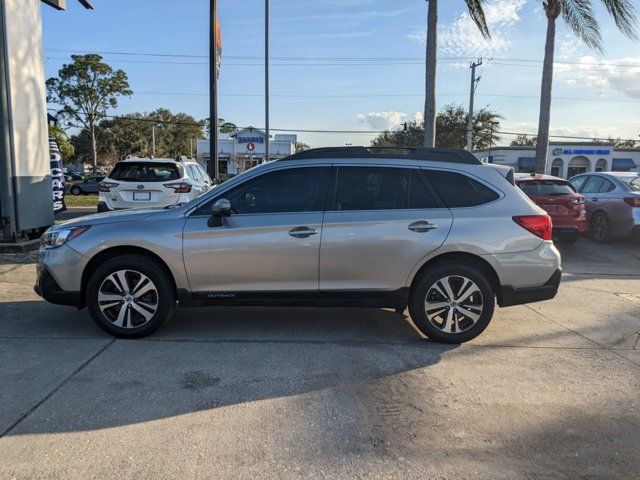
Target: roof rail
<point>450,155</point>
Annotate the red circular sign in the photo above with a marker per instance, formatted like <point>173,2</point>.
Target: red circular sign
<point>251,147</point>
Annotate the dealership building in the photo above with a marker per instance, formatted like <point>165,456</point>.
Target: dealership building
<point>245,148</point>
<point>567,159</point>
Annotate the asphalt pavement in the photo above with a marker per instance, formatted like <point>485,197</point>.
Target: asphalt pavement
<point>550,390</point>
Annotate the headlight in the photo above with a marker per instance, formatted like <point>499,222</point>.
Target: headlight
<point>57,238</point>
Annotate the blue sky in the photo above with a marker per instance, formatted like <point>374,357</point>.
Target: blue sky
<point>319,80</point>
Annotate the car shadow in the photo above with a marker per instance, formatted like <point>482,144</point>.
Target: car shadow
<point>213,358</point>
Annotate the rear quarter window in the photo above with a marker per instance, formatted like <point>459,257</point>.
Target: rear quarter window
<point>458,190</point>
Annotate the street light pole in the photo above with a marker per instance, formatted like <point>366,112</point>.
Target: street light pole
<point>212,167</point>
<point>153,141</point>
<point>266,79</point>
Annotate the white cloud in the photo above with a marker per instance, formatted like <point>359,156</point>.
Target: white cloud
<point>462,37</point>
<point>619,75</point>
<point>382,120</point>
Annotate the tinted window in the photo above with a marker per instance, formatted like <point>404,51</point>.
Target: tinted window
<point>546,187</point>
<point>578,182</point>
<point>458,190</point>
<point>379,188</point>
<point>606,186</point>
<point>593,184</point>
<point>291,190</point>
<point>145,172</point>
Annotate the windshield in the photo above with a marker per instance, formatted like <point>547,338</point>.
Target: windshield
<point>633,182</point>
<point>145,172</point>
<point>547,187</point>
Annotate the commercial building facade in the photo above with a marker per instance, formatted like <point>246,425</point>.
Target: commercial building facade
<point>567,159</point>
<point>241,150</point>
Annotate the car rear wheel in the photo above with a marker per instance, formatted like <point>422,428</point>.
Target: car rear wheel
<point>452,302</point>
<point>600,228</point>
<point>76,191</point>
<point>130,296</point>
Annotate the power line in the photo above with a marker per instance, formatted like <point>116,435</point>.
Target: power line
<point>342,59</point>
<point>348,132</point>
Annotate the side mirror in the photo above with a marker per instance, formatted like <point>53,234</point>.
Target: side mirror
<point>220,209</point>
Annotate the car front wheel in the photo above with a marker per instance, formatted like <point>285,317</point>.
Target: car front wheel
<point>452,302</point>
<point>130,296</point>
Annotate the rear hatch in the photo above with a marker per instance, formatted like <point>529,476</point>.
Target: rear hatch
<point>143,184</point>
<point>556,197</point>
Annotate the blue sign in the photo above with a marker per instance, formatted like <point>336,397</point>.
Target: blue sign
<point>250,139</point>
<point>582,152</point>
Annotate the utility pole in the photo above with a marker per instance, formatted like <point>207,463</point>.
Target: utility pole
<point>472,93</point>
<point>266,79</point>
<point>212,167</point>
<point>404,141</point>
<point>153,141</point>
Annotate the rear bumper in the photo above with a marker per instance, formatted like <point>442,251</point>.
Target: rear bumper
<point>509,296</point>
<point>47,287</point>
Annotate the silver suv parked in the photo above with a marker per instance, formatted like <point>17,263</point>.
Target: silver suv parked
<point>431,229</point>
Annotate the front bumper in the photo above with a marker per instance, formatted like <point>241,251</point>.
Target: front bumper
<point>47,287</point>
<point>509,296</point>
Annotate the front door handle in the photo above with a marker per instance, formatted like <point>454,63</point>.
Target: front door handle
<point>422,226</point>
<point>594,199</point>
<point>302,232</point>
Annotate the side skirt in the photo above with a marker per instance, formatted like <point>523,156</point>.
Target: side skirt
<point>357,298</point>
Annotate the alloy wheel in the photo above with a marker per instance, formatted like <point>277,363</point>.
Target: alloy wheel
<point>453,304</point>
<point>600,227</point>
<point>128,298</point>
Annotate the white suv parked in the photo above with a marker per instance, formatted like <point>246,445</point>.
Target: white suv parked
<point>147,182</point>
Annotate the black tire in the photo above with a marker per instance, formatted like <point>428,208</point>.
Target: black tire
<point>568,237</point>
<point>423,286</point>
<point>76,191</point>
<point>600,228</point>
<point>163,296</point>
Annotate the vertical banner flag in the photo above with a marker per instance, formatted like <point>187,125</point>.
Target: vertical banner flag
<point>57,176</point>
<point>218,45</point>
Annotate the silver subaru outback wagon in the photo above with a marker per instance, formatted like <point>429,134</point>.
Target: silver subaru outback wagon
<point>433,230</point>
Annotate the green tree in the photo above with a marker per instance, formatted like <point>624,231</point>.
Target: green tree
<point>62,139</point>
<point>174,132</point>
<point>523,140</point>
<point>301,147</point>
<point>126,135</point>
<point>85,90</point>
<point>223,126</point>
<point>431,60</point>
<point>451,127</point>
<point>580,17</point>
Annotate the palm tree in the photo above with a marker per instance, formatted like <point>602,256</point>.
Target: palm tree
<point>477,14</point>
<point>580,17</point>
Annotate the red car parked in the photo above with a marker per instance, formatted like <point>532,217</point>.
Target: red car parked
<point>560,200</point>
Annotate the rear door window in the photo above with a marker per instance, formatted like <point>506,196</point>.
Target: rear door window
<point>382,188</point>
<point>145,172</point>
<point>458,190</point>
<point>593,184</point>
<point>606,186</point>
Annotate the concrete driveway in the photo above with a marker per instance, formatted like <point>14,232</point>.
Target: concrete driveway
<point>550,390</point>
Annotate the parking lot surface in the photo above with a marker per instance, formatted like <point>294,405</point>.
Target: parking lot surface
<point>550,390</point>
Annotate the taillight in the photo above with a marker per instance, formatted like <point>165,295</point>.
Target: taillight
<point>106,186</point>
<point>633,201</point>
<point>540,225</point>
<point>578,201</point>
<point>179,187</point>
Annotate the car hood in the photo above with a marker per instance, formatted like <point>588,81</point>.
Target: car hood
<point>111,217</point>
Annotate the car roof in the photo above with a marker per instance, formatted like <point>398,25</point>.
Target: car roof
<point>158,160</point>
<point>522,177</point>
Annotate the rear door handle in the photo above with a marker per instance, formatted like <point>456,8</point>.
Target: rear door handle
<point>422,226</point>
<point>302,232</point>
<point>594,199</point>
